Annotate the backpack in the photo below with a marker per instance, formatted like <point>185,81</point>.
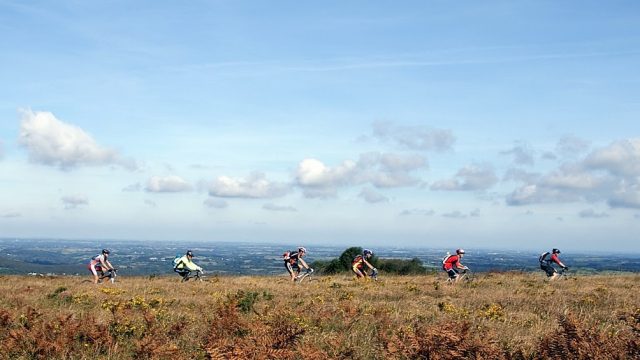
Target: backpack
<point>356,260</point>
<point>445,258</point>
<point>543,256</point>
<point>176,261</point>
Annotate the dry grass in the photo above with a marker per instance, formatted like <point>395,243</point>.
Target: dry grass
<point>497,316</point>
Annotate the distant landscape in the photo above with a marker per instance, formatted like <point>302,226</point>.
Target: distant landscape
<point>56,256</point>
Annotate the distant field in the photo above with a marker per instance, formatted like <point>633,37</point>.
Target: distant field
<point>497,316</point>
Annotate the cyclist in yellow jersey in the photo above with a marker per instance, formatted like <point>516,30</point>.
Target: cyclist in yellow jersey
<point>360,261</point>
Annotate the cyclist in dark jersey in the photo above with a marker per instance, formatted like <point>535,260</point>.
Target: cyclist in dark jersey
<point>293,260</point>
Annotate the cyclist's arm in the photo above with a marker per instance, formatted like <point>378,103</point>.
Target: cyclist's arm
<point>108,263</point>
<point>301,260</point>
<point>369,265</point>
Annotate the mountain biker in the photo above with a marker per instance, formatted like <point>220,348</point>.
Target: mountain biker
<point>100,264</point>
<point>451,264</point>
<point>185,265</point>
<point>293,260</point>
<point>359,261</point>
<point>546,261</point>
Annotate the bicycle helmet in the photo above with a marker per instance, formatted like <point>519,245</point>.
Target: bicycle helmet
<point>189,253</point>
<point>106,251</point>
<point>366,252</point>
<point>302,250</point>
<point>460,251</point>
<point>556,251</point>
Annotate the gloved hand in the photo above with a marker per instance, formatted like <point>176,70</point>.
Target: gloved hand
<point>566,268</point>
<point>374,270</point>
<point>309,270</point>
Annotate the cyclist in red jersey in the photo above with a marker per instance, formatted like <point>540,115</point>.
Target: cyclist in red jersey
<point>546,261</point>
<point>451,264</point>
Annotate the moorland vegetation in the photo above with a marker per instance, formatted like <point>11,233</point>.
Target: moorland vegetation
<point>496,316</point>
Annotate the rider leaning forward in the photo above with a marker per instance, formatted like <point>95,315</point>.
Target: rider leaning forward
<point>451,264</point>
<point>293,260</point>
<point>100,264</point>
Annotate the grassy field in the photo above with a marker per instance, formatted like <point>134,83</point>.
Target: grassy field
<point>501,315</point>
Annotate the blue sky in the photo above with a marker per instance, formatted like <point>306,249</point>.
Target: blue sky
<point>494,124</point>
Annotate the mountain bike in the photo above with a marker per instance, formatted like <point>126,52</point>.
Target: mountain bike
<point>196,275</point>
<point>374,275</point>
<point>109,274</point>
<point>563,274</point>
<point>465,275</point>
<point>305,275</point>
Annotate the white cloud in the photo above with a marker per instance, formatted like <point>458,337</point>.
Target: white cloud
<point>274,207</point>
<point>73,201</point>
<point>314,173</point>
<point>626,195</point>
<point>171,183</point>
<point>469,178</point>
<point>371,196</point>
<point>255,186</point>
<point>414,137</point>
<point>50,141</point>
<point>591,214</point>
<point>215,203</point>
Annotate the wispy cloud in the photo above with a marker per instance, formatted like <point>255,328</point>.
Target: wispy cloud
<point>74,201</point>
<point>474,177</point>
<point>414,137</point>
<point>275,207</point>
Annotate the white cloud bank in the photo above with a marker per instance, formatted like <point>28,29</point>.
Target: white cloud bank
<point>52,142</point>
<point>610,174</point>
<point>382,170</point>
<point>167,184</point>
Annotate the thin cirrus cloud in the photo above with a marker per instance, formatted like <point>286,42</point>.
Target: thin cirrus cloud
<point>608,174</point>
<point>74,201</point>
<point>382,170</point>
<point>592,214</point>
<point>255,186</point>
<point>414,137</point>
<point>10,215</point>
<point>215,203</point>
<point>167,184</point>
<point>422,212</point>
<point>470,178</point>
<point>52,142</point>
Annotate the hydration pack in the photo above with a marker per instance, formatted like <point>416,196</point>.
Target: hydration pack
<point>543,256</point>
<point>356,260</point>
<point>444,259</point>
<point>176,260</point>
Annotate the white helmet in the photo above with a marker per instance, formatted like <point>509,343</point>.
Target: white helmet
<point>302,250</point>
<point>460,251</point>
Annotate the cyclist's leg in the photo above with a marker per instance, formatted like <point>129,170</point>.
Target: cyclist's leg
<point>93,271</point>
<point>287,265</point>
<point>358,271</point>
